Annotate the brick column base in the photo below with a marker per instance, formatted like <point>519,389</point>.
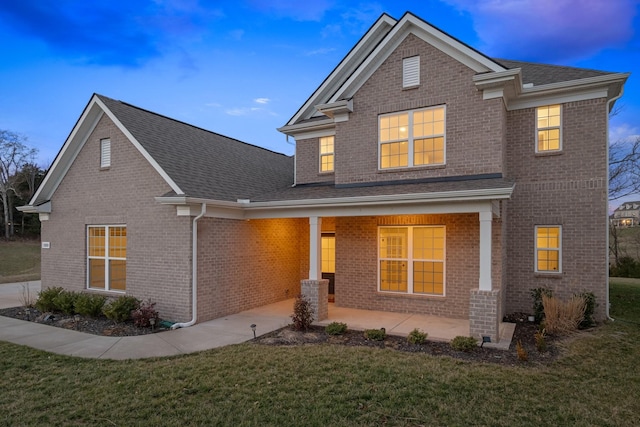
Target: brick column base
<point>317,293</point>
<point>483,314</point>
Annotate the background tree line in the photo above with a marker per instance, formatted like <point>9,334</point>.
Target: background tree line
<point>19,179</point>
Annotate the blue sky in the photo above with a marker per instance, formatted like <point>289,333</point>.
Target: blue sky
<point>242,68</point>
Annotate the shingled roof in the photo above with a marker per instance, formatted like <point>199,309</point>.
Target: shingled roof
<point>202,163</point>
<point>542,74</point>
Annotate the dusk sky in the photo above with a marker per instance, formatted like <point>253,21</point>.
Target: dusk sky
<point>242,68</point>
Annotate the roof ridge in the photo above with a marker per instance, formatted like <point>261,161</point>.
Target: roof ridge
<point>552,65</point>
<point>188,124</point>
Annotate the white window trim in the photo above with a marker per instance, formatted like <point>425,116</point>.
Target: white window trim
<point>410,261</point>
<point>410,139</point>
<point>560,145</point>
<point>321,154</point>
<point>106,258</point>
<point>535,249</point>
<point>105,153</point>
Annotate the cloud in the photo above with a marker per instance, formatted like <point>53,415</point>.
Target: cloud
<point>549,30</point>
<point>321,51</point>
<point>262,100</point>
<point>253,110</point>
<point>236,34</point>
<point>293,9</point>
<point>358,19</point>
<point>624,133</point>
<point>105,32</point>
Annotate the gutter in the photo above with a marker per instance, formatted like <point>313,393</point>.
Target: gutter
<point>194,272</point>
<point>609,105</point>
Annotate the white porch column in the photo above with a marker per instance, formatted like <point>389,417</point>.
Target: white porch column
<point>315,248</point>
<point>486,218</point>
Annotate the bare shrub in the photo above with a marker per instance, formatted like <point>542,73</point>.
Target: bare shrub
<point>560,317</point>
<point>27,299</point>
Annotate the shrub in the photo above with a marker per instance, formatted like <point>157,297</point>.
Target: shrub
<point>144,313</point>
<point>90,305</point>
<point>541,341</point>
<point>538,309</point>
<point>589,309</point>
<point>465,344</point>
<point>65,302</point>
<point>626,267</point>
<point>45,299</point>
<point>522,353</point>
<point>375,334</point>
<point>302,314</point>
<point>119,310</point>
<point>336,328</point>
<point>417,337</point>
<point>26,297</point>
<point>560,317</point>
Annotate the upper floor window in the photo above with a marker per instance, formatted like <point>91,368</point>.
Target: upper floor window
<point>549,129</point>
<point>548,249</point>
<point>105,153</point>
<point>326,154</point>
<point>411,71</point>
<point>412,138</point>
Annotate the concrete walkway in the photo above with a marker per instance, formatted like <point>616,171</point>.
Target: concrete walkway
<point>227,330</point>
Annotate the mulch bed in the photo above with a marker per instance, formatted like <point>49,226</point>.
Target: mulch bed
<point>524,333</point>
<point>96,326</point>
<point>287,336</point>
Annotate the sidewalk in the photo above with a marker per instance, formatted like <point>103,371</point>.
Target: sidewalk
<point>232,329</point>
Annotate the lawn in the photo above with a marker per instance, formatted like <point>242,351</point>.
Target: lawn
<point>20,261</point>
<point>596,382</point>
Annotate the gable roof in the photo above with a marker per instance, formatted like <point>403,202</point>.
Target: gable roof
<point>193,161</point>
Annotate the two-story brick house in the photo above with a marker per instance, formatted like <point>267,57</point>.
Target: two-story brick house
<point>427,178</point>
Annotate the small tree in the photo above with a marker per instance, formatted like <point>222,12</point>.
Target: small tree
<point>14,154</point>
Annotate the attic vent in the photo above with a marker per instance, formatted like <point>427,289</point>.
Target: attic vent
<point>105,153</point>
<point>411,71</point>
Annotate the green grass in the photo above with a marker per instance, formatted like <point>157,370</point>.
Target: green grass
<point>20,261</point>
<point>625,299</point>
<point>594,383</point>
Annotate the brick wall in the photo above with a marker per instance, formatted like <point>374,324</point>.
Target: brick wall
<point>247,264</point>
<point>356,264</point>
<point>567,189</point>
<point>308,162</point>
<point>474,128</point>
<point>158,241</point>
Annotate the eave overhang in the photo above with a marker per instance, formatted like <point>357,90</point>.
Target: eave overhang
<point>463,201</point>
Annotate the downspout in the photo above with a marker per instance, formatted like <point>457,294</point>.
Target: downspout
<point>615,98</point>
<point>194,271</point>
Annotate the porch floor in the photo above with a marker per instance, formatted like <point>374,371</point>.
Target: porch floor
<point>437,328</point>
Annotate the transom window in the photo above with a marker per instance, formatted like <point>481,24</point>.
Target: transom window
<point>412,259</point>
<point>107,257</point>
<point>326,154</point>
<point>548,123</point>
<point>412,138</point>
<point>548,249</point>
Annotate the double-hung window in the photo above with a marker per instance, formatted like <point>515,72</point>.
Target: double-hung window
<point>107,257</point>
<point>412,138</point>
<point>326,154</point>
<point>548,249</point>
<point>412,259</point>
<point>549,129</point>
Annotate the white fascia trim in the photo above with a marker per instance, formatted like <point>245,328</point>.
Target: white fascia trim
<point>412,24</point>
<point>571,91</point>
<point>42,208</point>
<point>141,149</point>
<point>337,110</point>
<point>447,201</point>
<point>346,67</point>
<point>300,130</point>
<point>69,151</point>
